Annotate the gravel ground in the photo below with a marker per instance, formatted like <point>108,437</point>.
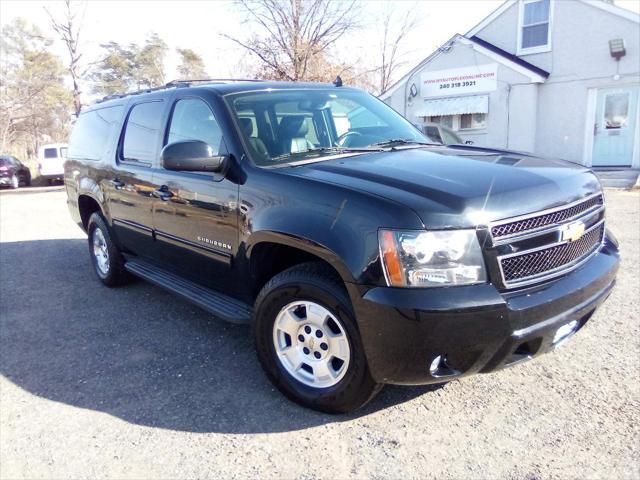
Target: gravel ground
<point>135,383</point>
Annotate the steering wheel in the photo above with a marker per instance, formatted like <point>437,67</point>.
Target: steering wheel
<point>342,139</point>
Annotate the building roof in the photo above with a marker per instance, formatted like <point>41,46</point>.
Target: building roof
<point>535,74</point>
<point>510,56</point>
<point>601,4</point>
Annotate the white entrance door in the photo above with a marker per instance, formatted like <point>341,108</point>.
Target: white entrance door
<point>615,127</point>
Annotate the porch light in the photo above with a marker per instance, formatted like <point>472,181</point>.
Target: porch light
<point>616,48</point>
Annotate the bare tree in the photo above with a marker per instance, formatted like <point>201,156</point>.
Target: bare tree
<point>68,30</point>
<point>396,27</point>
<point>290,35</point>
<point>34,102</point>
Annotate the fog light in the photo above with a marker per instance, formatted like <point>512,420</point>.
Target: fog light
<point>433,368</point>
<point>564,332</point>
<point>440,368</point>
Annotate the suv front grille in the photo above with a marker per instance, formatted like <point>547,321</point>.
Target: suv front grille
<point>532,248</point>
<point>554,217</point>
<point>550,259</point>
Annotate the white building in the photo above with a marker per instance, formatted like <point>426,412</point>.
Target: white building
<point>560,78</point>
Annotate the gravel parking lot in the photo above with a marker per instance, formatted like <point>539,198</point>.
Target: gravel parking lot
<point>135,383</point>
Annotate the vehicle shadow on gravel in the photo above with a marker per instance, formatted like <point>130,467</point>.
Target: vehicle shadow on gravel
<point>137,352</point>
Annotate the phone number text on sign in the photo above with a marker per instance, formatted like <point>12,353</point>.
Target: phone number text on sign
<point>458,84</point>
<point>456,81</point>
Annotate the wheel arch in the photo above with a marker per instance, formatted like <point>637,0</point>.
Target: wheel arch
<point>270,253</point>
<point>87,205</point>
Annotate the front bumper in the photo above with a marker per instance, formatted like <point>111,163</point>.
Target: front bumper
<point>475,329</point>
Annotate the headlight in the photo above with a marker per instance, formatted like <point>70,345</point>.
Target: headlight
<point>431,259</point>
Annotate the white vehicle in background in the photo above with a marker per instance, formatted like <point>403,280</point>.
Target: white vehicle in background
<point>51,158</point>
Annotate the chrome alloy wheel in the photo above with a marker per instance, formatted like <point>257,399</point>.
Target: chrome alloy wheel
<point>311,344</point>
<point>100,251</point>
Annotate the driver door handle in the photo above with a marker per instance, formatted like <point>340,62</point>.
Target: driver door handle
<point>163,193</point>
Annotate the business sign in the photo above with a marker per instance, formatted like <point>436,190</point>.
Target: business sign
<point>459,81</point>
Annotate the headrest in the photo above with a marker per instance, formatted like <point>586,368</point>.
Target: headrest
<point>292,126</point>
<point>247,126</point>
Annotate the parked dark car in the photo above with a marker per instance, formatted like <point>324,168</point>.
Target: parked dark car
<point>361,253</point>
<point>13,173</point>
<point>443,134</point>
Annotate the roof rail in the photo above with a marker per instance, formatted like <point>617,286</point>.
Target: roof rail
<point>137,92</point>
<point>188,82</point>
<point>177,84</point>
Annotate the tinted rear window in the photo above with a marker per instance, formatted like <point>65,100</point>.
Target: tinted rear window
<point>50,153</point>
<point>91,134</point>
<point>141,136</point>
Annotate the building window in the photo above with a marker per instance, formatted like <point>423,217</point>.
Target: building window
<point>473,121</point>
<point>467,121</point>
<point>446,120</point>
<point>534,34</point>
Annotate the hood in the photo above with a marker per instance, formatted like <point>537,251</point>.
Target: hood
<point>452,187</point>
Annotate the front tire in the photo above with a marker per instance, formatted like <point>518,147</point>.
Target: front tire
<point>15,182</point>
<point>107,261</point>
<point>308,342</point>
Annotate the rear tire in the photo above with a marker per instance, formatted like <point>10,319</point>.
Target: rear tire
<point>107,261</point>
<point>332,374</point>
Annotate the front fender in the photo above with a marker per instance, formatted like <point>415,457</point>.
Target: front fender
<point>304,244</point>
<point>335,223</point>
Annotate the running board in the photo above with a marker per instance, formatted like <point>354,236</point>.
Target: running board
<point>220,305</point>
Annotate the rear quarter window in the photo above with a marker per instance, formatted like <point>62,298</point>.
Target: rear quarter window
<point>91,134</point>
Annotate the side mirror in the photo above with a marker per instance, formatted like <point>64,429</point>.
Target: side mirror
<point>192,156</point>
<point>469,142</point>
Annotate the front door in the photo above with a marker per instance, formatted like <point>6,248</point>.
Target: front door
<point>615,127</point>
<point>195,216</point>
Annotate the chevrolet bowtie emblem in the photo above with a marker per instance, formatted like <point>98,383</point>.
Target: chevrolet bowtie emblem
<point>572,232</point>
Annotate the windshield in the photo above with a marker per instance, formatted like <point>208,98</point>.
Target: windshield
<point>287,126</point>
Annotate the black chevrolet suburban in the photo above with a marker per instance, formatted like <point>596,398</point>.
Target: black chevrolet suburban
<point>360,251</point>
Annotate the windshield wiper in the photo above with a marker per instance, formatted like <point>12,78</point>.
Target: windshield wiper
<point>329,150</point>
<point>401,141</point>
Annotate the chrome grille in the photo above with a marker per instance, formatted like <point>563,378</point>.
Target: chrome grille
<point>545,219</point>
<point>547,260</point>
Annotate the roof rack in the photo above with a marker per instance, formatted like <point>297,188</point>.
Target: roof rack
<point>177,84</point>
<point>211,80</point>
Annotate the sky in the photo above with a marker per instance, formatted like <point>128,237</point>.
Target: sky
<point>200,24</point>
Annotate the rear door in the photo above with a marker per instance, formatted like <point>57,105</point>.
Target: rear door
<point>195,215</point>
<point>130,184</point>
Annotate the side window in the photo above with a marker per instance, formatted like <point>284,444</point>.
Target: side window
<point>192,119</point>
<point>434,133</point>
<point>92,132</point>
<point>142,132</point>
<point>50,153</point>
<point>448,138</point>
